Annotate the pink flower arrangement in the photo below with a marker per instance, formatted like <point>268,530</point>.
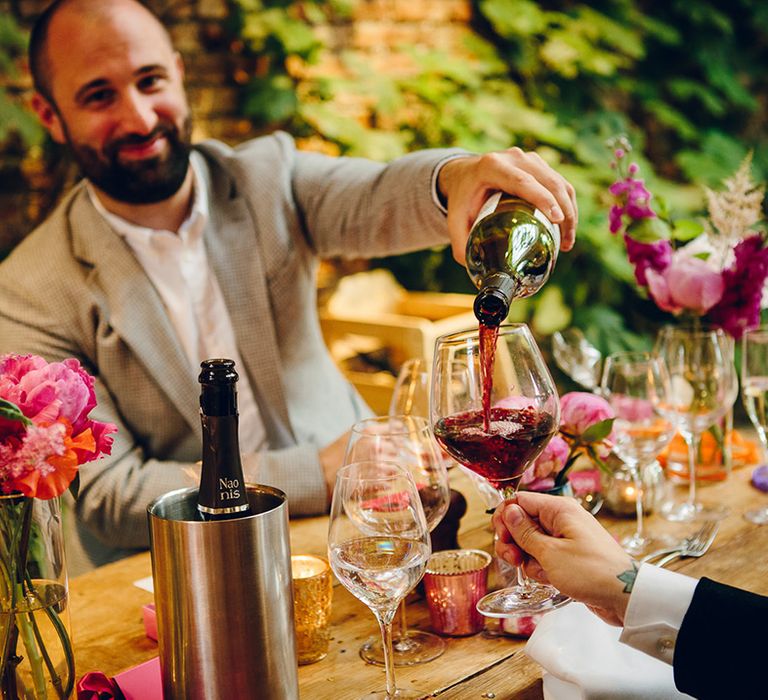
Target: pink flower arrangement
<point>45,431</point>
<point>716,271</point>
<point>45,435</point>
<point>586,422</point>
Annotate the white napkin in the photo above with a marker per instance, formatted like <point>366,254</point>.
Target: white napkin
<point>146,584</point>
<point>584,660</point>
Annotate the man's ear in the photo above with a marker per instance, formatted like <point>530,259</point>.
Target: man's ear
<point>49,117</point>
<point>179,65</point>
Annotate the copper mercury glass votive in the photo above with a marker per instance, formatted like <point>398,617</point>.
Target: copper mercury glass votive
<point>312,596</point>
<point>454,582</point>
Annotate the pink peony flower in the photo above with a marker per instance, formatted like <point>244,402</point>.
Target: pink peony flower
<point>632,408</point>
<point>580,409</point>
<point>552,459</point>
<point>687,284</point>
<point>50,392</point>
<point>529,482</point>
<point>41,460</point>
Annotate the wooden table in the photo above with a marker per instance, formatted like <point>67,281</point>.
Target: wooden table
<point>109,635</point>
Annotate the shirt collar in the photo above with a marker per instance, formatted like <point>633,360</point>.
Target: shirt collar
<point>193,224</point>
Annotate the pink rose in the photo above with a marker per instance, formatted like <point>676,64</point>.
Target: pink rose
<point>580,409</point>
<point>686,284</point>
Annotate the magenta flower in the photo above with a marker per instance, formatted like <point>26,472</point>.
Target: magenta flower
<point>616,218</point>
<point>644,256</point>
<point>633,202</point>
<point>739,306</point>
<point>686,284</point>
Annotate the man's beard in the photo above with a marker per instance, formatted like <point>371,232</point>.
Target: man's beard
<point>145,181</point>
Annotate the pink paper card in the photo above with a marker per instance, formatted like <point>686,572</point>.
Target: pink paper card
<point>150,620</point>
<point>142,682</point>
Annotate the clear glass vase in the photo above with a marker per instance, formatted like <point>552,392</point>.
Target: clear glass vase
<point>37,659</point>
<point>714,456</point>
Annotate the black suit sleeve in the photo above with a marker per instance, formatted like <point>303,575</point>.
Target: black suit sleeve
<point>721,647</point>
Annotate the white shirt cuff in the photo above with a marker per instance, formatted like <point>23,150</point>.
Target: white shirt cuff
<point>657,605</point>
<point>436,172</point>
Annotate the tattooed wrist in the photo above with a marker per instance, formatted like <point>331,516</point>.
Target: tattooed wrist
<point>628,577</point>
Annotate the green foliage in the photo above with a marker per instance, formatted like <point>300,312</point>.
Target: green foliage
<point>684,80</point>
<point>14,119</point>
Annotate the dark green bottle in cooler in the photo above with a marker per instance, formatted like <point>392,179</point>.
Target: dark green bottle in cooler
<point>222,494</point>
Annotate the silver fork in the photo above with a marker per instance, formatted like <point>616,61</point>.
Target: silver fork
<point>694,546</point>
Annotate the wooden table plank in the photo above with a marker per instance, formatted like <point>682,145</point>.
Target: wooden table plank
<point>109,635</point>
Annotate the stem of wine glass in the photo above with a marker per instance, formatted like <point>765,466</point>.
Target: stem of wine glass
<point>523,583</point>
<point>636,477</point>
<point>692,440</point>
<point>401,633</point>
<point>385,624</point>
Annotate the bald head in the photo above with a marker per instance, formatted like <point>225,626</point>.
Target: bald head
<point>85,13</point>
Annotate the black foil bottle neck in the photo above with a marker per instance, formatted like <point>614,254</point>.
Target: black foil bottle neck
<point>218,395</point>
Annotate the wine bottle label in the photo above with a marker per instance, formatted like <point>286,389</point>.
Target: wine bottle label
<point>488,208</point>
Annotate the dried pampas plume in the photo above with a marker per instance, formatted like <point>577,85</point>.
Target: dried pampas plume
<point>736,209</point>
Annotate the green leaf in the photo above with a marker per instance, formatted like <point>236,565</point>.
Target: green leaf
<point>649,230</point>
<point>597,431</point>
<point>271,99</point>
<point>686,229</point>
<point>514,18</point>
<point>10,411</point>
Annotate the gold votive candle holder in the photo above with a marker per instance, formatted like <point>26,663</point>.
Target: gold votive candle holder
<point>312,596</point>
<point>454,582</point>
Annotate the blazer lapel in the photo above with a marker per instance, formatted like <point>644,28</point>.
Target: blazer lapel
<point>136,310</point>
<point>233,252</point>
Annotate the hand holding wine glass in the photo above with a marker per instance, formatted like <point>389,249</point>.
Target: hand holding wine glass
<point>496,423</point>
<point>378,546</point>
<point>636,385</point>
<point>408,442</point>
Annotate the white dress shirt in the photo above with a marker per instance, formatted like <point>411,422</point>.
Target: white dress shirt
<point>657,606</point>
<point>177,265</point>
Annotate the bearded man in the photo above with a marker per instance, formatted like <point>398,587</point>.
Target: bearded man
<point>166,254</point>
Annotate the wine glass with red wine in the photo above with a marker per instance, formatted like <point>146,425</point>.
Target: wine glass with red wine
<point>496,422</point>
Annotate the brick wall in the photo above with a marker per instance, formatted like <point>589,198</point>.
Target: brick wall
<point>375,27</point>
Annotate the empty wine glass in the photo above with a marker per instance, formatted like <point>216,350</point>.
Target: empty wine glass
<point>577,357</point>
<point>754,393</point>
<point>410,396</point>
<point>496,422</point>
<point>704,387</point>
<point>636,384</point>
<point>378,546</point>
<point>408,442</point>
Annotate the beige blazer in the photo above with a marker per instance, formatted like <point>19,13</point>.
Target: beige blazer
<point>73,288</point>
